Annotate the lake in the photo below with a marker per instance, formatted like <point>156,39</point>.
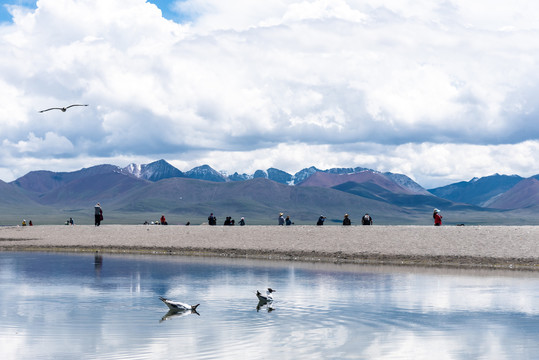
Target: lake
<point>66,306</point>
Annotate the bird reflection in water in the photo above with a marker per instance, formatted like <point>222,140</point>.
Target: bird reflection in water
<point>178,309</point>
<point>268,305</point>
<point>177,313</point>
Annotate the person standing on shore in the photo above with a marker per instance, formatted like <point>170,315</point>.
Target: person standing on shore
<point>346,220</point>
<point>98,214</point>
<point>281,219</point>
<point>366,220</point>
<point>437,217</point>
<point>212,220</point>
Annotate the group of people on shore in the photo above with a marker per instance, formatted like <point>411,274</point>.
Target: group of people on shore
<point>365,220</point>
<point>212,220</point>
<point>283,221</point>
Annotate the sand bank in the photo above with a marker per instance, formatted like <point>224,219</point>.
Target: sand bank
<point>508,247</point>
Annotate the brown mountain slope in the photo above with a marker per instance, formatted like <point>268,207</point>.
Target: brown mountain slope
<point>256,198</point>
<point>328,180</point>
<point>522,195</point>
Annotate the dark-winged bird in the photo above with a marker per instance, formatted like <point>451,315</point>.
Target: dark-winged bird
<point>267,298</point>
<point>63,109</point>
<point>178,306</point>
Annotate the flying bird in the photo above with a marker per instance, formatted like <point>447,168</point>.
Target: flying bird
<point>63,109</point>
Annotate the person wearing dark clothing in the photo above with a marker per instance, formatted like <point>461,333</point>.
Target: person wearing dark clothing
<point>227,221</point>
<point>366,220</point>
<point>98,214</point>
<point>281,219</point>
<point>321,220</point>
<point>346,220</point>
<point>288,221</point>
<point>212,220</point>
<point>242,221</point>
<point>437,217</point>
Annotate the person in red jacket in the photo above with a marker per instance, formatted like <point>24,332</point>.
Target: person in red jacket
<point>163,221</point>
<point>437,217</point>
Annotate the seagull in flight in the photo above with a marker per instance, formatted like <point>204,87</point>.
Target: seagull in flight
<point>63,109</point>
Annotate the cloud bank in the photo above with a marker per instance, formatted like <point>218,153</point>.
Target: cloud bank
<point>439,90</point>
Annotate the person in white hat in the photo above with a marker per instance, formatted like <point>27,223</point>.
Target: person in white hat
<point>281,219</point>
<point>437,217</point>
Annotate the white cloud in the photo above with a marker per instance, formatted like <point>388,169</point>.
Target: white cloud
<point>430,164</point>
<point>322,9</point>
<point>50,144</point>
<point>243,79</point>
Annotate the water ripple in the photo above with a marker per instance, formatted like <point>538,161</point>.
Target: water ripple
<point>68,311</point>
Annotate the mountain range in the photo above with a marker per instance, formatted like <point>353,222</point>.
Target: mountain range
<point>136,193</point>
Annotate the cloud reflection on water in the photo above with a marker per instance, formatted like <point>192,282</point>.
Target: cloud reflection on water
<point>324,310</point>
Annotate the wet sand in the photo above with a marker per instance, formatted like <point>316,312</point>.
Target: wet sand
<point>506,247</point>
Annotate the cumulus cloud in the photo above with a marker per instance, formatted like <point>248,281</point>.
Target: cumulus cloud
<point>50,144</point>
<point>306,80</point>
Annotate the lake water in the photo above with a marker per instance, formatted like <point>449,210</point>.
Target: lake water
<point>67,306</point>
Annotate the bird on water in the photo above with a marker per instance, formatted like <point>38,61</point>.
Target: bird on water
<point>268,297</point>
<point>178,306</point>
<point>62,109</point>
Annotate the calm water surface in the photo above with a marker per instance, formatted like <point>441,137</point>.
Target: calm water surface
<point>65,306</point>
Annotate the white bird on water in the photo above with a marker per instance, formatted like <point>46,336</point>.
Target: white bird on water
<point>63,109</point>
<point>178,306</point>
<point>268,297</point>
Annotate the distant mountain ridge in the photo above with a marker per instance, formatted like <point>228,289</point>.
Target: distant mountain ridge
<point>160,187</point>
<point>524,194</point>
<point>477,191</point>
<point>333,179</point>
<point>161,169</point>
<point>154,171</point>
<point>43,180</point>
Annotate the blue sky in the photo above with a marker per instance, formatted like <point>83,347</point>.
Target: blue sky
<point>440,90</point>
<point>166,7</point>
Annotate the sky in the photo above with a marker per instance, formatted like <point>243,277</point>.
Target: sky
<point>439,90</point>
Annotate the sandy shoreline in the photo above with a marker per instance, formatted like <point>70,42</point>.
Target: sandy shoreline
<point>507,247</point>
